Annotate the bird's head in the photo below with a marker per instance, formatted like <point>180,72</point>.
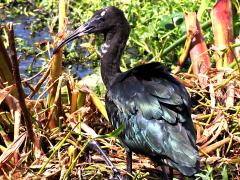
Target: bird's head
<point>102,21</point>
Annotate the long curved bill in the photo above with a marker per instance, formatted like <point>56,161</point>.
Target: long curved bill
<point>82,30</point>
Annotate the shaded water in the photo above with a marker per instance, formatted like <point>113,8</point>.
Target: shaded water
<point>28,41</point>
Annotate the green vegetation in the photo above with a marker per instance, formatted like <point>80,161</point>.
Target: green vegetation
<point>155,26</point>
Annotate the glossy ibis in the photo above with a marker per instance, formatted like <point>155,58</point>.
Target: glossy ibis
<point>153,106</point>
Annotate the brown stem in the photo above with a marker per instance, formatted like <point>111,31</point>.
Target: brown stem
<point>38,85</point>
<point>56,102</point>
<point>16,74</point>
<point>34,76</point>
<point>214,146</point>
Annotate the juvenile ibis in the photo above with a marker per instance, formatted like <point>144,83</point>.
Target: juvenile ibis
<point>153,107</point>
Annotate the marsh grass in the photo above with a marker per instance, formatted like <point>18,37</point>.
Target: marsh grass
<point>65,154</point>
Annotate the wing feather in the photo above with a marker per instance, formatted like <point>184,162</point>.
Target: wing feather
<point>156,111</point>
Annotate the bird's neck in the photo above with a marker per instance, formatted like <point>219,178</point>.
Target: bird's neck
<point>111,52</point>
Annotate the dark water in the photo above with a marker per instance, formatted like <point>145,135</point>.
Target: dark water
<point>22,30</point>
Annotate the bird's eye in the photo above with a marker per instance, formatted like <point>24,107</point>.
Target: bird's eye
<point>100,19</point>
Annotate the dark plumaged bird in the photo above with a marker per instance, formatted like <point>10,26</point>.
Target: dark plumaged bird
<point>153,107</point>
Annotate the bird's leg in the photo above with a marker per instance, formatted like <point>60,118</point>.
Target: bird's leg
<point>171,172</point>
<point>89,158</point>
<point>129,163</point>
<point>95,146</point>
<point>165,175</point>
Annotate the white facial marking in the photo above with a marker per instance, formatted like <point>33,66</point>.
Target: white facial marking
<point>103,13</point>
<point>106,45</point>
<point>104,48</point>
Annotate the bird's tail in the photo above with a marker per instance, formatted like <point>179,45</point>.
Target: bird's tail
<point>185,170</point>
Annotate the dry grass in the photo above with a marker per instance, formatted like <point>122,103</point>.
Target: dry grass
<point>65,152</point>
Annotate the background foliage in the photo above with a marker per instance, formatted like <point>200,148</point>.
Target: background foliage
<point>155,25</point>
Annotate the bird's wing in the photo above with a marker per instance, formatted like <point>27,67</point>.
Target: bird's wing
<point>153,92</point>
<point>156,111</point>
